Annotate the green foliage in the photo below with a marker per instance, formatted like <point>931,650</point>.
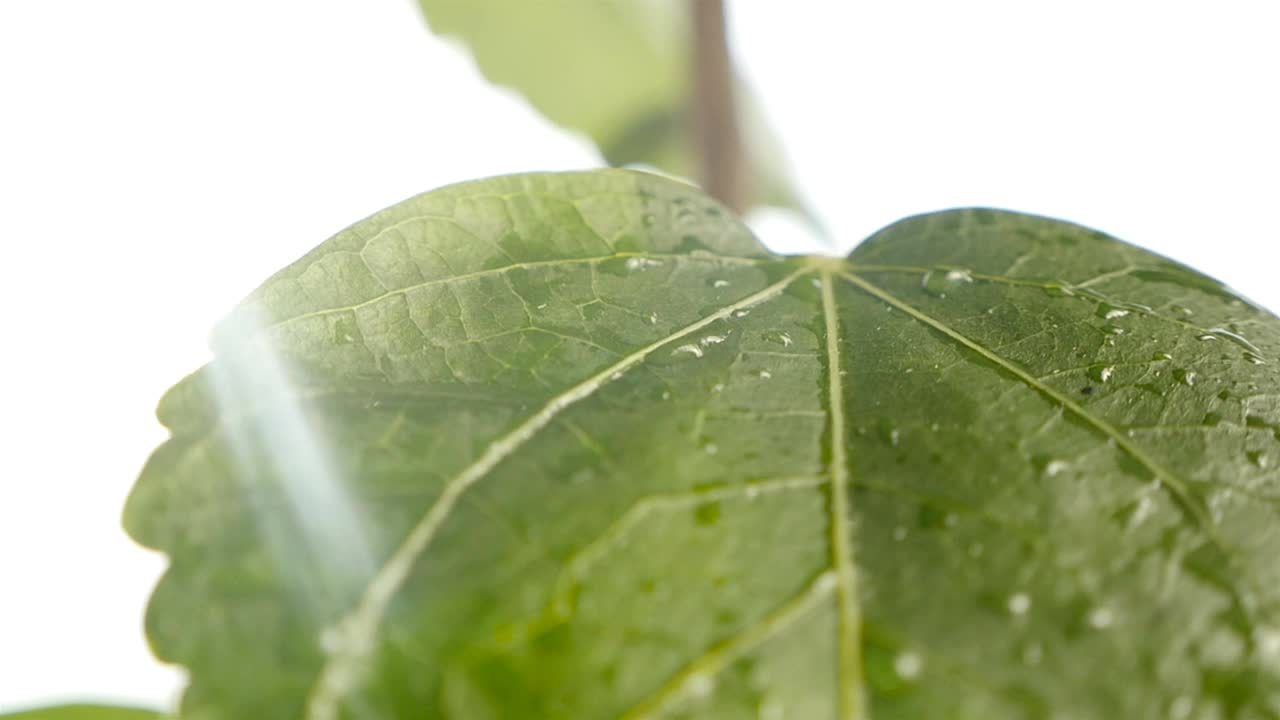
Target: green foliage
<point>618,71</point>
<point>578,446</point>
<point>83,712</point>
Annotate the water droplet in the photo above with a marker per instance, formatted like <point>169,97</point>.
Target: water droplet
<point>720,284</point>
<point>1141,511</point>
<point>1181,707</point>
<point>1181,310</point>
<point>1107,311</point>
<point>937,282</point>
<point>1059,290</point>
<point>908,665</point>
<point>1101,618</point>
<point>1236,338</point>
<point>1112,329</point>
<point>711,340</point>
<point>888,433</point>
<point>900,533</point>
<point>778,337</point>
<point>616,376</point>
<point>1100,373</point>
<point>1206,336</point>
<point>653,318</point>
<point>741,312</point>
<point>693,350</point>
<point>1268,642</point>
<point>764,374</point>
<point>635,264</point>
<point>1184,376</point>
<point>542,306</point>
<point>1019,603</point>
<point>700,685</point>
<point>1256,360</point>
<point>717,388</point>
<point>666,394</point>
<point>1161,356</point>
<point>1211,419</point>
<point>1257,458</point>
<point>1049,466</point>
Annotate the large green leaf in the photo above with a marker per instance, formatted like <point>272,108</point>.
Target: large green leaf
<point>618,71</point>
<point>577,446</point>
<point>83,712</point>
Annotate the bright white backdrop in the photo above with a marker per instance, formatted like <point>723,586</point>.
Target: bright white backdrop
<point>158,158</point>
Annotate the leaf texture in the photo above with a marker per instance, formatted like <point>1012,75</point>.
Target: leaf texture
<point>576,446</point>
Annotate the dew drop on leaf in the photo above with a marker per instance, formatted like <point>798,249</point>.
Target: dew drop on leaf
<point>1101,618</point>
<point>1019,603</point>
<point>1107,311</point>
<point>1236,338</point>
<point>1184,376</point>
<point>693,350</point>
<point>778,337</point>
<point>938,282</point>
<point>635,264</point>
<point>700,685</point>
<point>1100,373</point>
<point>1180,708</point>
<point>908,665</point>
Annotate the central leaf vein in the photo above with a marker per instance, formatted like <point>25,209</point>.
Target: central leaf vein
<point>852,702</point>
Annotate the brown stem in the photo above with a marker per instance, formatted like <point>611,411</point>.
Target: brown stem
<point>716,136</point>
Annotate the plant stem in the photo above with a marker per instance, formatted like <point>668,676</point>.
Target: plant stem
<point>716,136</point>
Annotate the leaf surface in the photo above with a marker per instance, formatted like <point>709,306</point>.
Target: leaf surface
<point>577,446</point>
<point>618,71</point>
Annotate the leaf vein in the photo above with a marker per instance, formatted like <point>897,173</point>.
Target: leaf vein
<point>355,633</point>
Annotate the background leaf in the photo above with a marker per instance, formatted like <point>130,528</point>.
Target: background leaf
<point>576,446</point>
<point>84,712</point>
<point>618,71</point>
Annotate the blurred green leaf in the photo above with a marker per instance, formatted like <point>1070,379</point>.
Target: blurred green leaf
<point>618,71</point>
<point>576,446</point>
<point>84,712</point>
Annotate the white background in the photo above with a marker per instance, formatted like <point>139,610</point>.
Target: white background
<point>159,158</point>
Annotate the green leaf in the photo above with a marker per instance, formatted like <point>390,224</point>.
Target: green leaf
<point>577,446</point>
<point>617,71</point>
<point>83,712</point>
